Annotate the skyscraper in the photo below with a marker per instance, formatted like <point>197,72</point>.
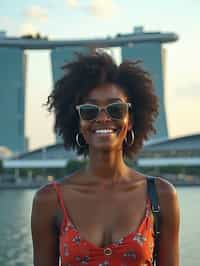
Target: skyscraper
<point>12,98</point>
<point>61,56</point>
<point>152,56</point>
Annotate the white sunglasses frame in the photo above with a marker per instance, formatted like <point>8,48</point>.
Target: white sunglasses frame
<point>100,108</point>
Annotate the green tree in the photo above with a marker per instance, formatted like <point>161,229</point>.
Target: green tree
<point>74,165</point>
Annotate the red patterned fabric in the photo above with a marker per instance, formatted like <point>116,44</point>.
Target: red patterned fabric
<point>134,249</point>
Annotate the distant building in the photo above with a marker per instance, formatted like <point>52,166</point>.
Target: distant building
<point>172,156</point>
<point>59,57</point>
<point>52,156</point>
<point>152,55</point>
<point>146,46</point>
<point>12,98</point>
<point>182,151</point>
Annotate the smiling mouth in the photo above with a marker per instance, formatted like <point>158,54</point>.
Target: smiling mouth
<point>105,131</point>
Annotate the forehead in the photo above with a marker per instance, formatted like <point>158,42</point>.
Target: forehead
<point>106,93</point>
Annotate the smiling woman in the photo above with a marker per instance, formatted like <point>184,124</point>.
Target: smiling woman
<point>101,71</point>
<point>101,215</point>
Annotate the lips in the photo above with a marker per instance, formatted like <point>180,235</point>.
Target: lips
<point>104,131</point>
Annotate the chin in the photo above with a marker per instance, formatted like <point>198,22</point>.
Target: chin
<point>106,147</point>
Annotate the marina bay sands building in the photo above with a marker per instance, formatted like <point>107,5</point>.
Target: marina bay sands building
<point>145,46</point>
<point>12,98</point>
<point>152,55</point>
<point>60,56</point>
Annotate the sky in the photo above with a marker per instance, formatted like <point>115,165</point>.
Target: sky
<point>75,19</point>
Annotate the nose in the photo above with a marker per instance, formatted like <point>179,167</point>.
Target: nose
<point>103,116</point>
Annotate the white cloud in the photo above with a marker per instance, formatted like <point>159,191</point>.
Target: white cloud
<point>103,9</point>
<point>36,13</point>
<point>97,8</point>
<point>6,24</point>
<point>72,3</point>
<point>28,28</point>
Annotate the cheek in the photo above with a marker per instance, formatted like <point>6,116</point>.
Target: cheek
<point>124,123</point>
<point>123,128</point>
<point>84,127</point>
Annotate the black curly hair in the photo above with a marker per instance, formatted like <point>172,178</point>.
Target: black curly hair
<point>90,71</point>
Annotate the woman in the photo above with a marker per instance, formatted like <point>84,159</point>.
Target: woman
<point>101,214</point>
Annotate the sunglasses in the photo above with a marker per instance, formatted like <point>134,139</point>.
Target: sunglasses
<point>89,112</point>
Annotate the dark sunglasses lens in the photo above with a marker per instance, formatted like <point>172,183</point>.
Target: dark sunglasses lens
<point>117,110</point>
<point>88,112</point>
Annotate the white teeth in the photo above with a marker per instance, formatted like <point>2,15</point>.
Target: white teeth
<point>103,131</point>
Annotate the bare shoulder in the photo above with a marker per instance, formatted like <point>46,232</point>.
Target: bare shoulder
<point>45,201</point>
<point>45,194</point>
<point>165,188</point>
<point>43,227</point>
<point>168,198</point>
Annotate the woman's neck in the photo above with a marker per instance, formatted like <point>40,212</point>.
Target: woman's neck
<point>107,167</point>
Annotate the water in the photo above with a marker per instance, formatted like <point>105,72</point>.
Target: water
<point>189,199</point>
<point>15,234</point>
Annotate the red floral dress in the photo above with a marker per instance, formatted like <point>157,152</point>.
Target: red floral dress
<point>134,249</point>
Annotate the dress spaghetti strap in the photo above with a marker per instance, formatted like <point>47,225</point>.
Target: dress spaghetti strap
<point>60,200</point>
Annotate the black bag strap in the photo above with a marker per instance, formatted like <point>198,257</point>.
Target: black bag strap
<point>151,189</point>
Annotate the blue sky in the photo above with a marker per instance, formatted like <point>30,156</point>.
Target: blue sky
<point>68,19</point>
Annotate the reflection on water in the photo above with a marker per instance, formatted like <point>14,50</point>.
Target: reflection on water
<point>15,233</point>
<point>189,198</point>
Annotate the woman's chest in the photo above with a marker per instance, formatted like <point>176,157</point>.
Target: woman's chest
<point>105,219</point>
<point>102,242</point>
